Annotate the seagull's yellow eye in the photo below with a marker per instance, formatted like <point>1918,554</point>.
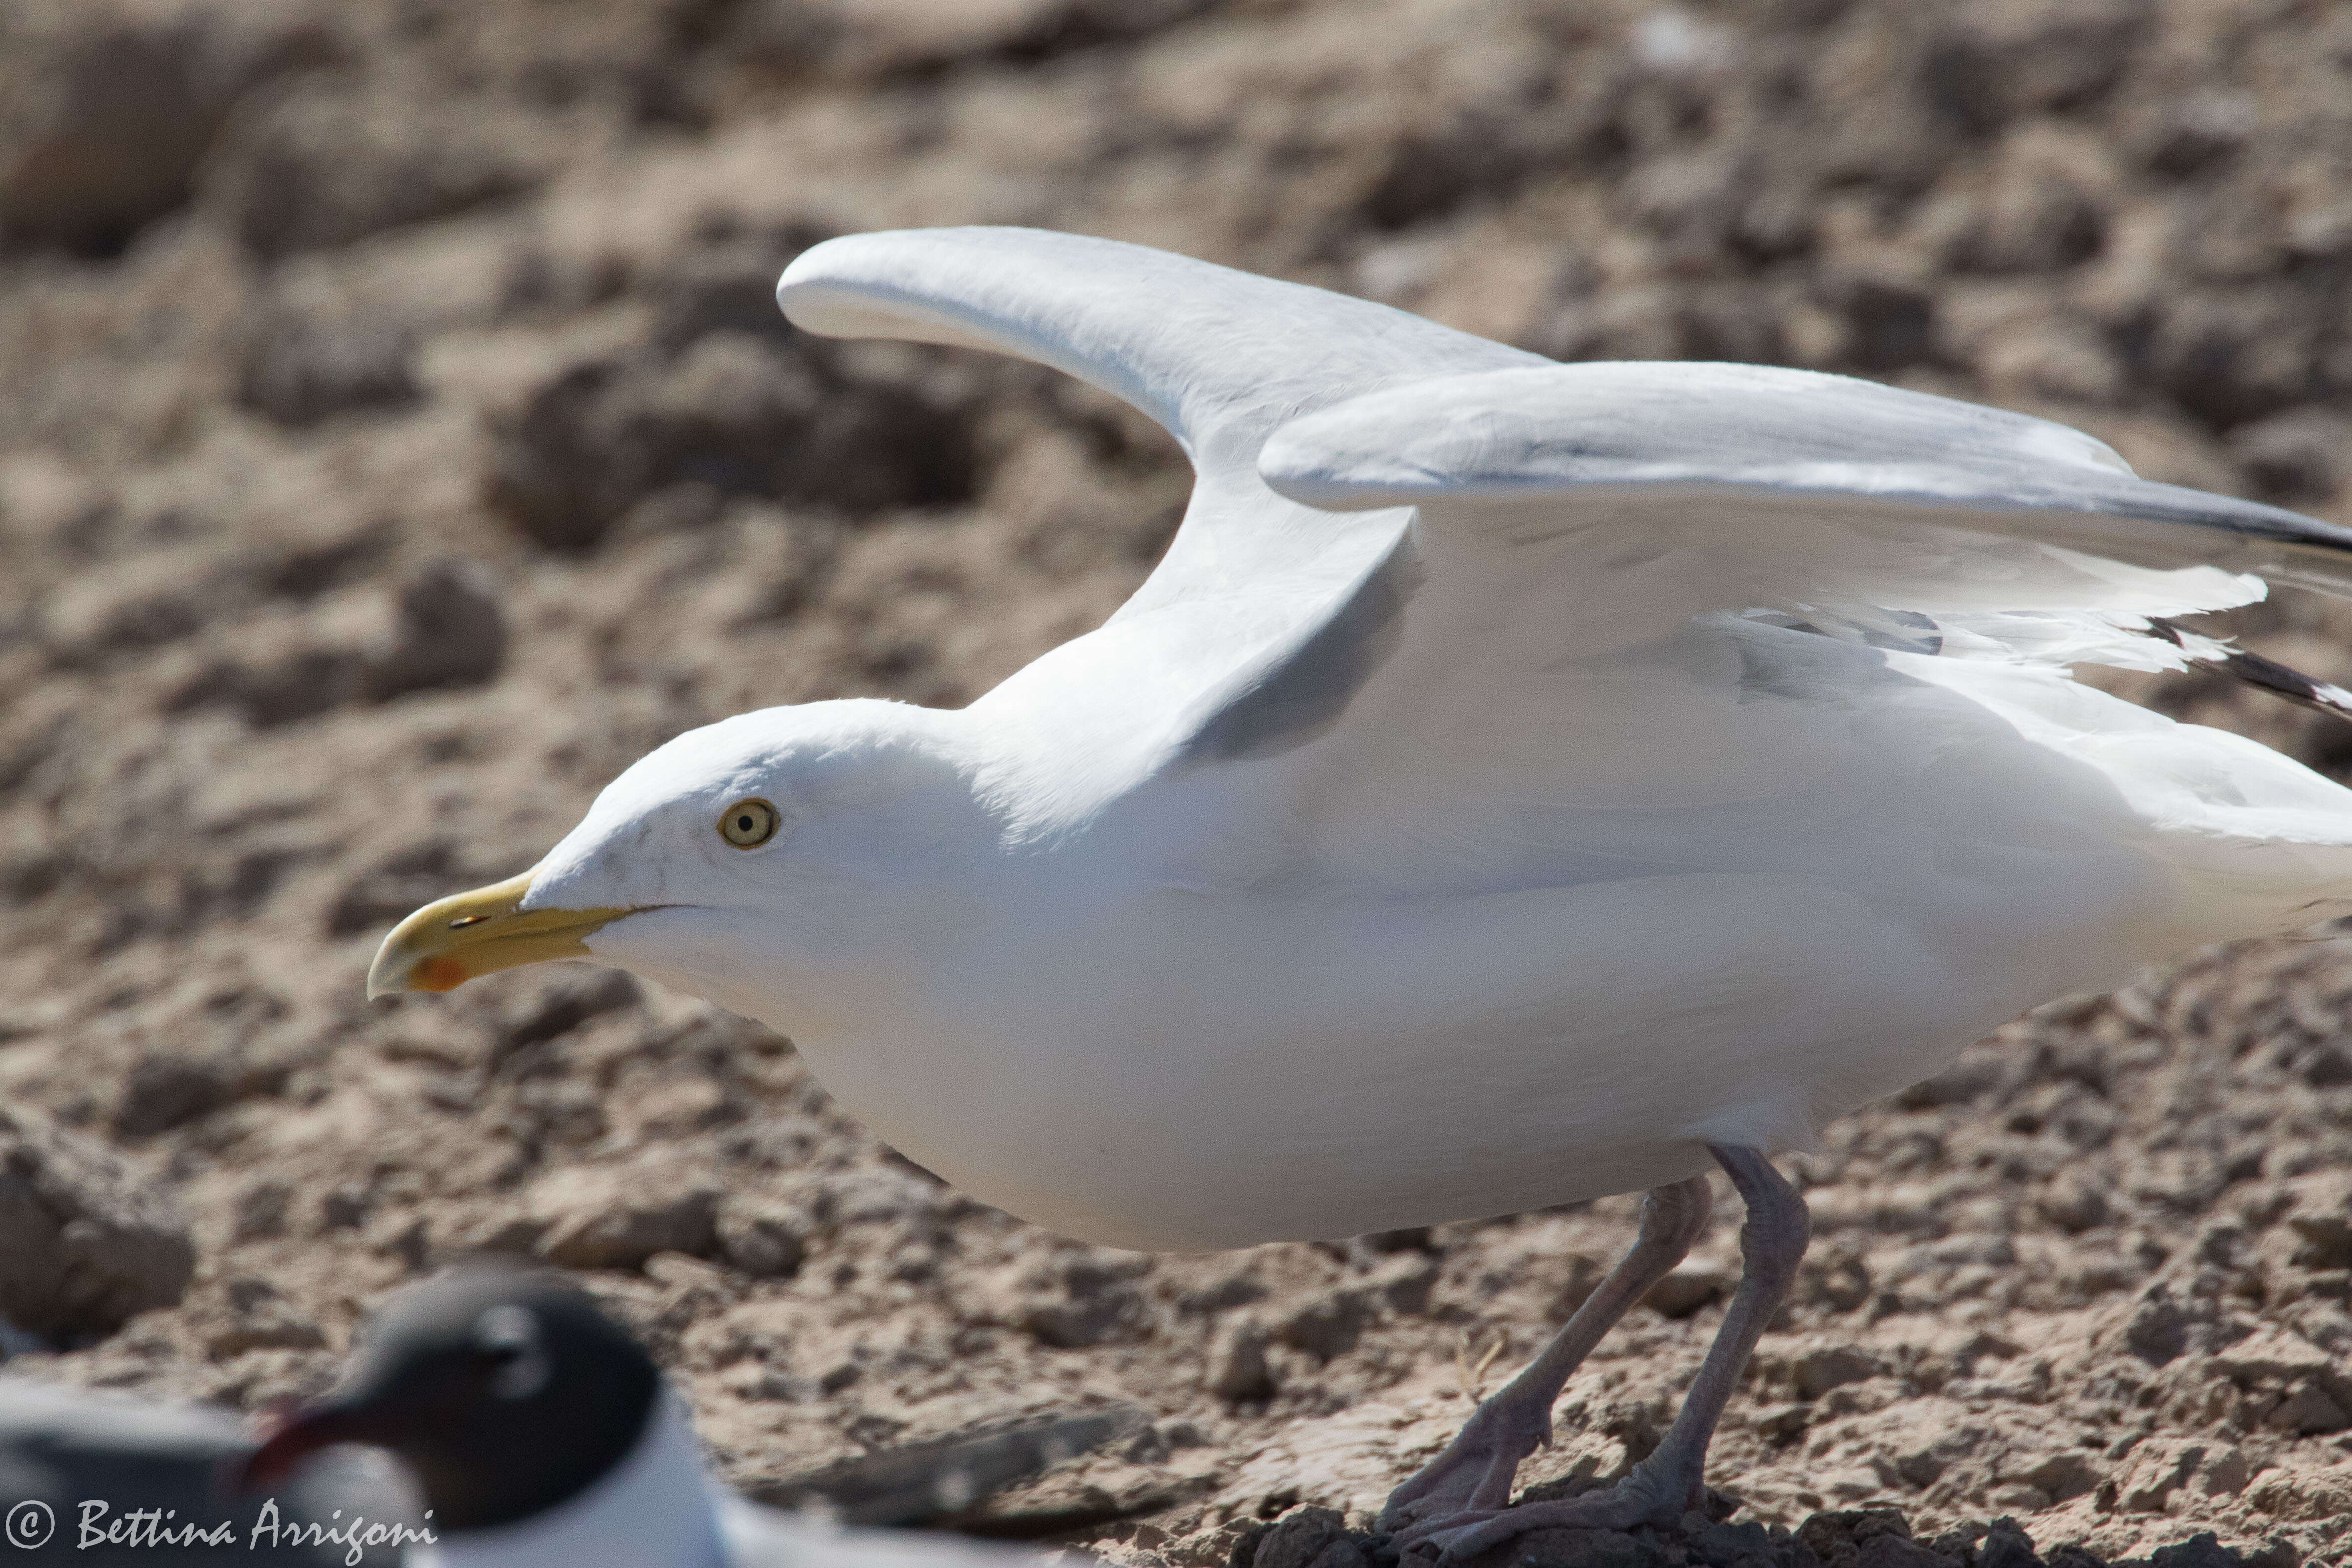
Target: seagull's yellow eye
<point>748,824</point>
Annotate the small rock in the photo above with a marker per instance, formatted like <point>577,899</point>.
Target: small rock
<point>2307,1410</point>
<point>768,1243</point>
<point>2295,1493</point>
<point>561,1004</point>
<point>1888,324</point>
<point>1074,1299</point>
<point>920,1483</point>
<point>1238,1289</point>
<point>2323,1235</point>
<point>1992,63</point>
<point>135,606</point>
<point>2325,1068</point>
<point>515,1235</point>
<point>883,1195</point>
<point>1897,1551</point>
<point>2199,1550</point>
<point>260,1319</point>
<point>1594,1549</point>
<point>2159,1331</point>
<point>736,413</point>
<point>331,157</point>
<point>1416,1239</point>
<point>2232,355</point>
<point>1237,1369</point>
<point>108,130</point>
<point>2072,1204</point>
<point>1954,1085</point>
<point>2034,219</point>
<point>2300,455</point>
<point>1687,1290</point>
<point>84,1243</point>
<point>167,1089</point>
<point>1402,1283</point>
<point>290,682</point>
<point>346,1207</point>
<point>1310,1538</point>
<point>451,630</point>
<point>2006,1545</point>
<point>2199,130</point>
<point>1182,1434</point>
<point>2159,1466</point>
<point>301,371</point>
<point>1837,1539</point>
<point>261,1212</point>
<point>1748,1545</point>
<point>616,1218</point>
<point>2064,1476</point>
<point>1835,1278</point>
<point>1327,1326</point>
<point>1959,1541</point>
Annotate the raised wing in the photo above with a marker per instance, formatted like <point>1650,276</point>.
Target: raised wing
<point>1599,659</point>
<point>1723,450</point>
<point>1859,511</point>
<point>1496,620</point>
<point>1220,358</point>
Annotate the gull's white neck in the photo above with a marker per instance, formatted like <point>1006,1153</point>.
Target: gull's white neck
<point>655,1510</point>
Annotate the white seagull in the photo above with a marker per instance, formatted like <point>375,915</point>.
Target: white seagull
<point>1519,783</point>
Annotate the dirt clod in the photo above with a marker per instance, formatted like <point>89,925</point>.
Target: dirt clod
<point>84,1244</point>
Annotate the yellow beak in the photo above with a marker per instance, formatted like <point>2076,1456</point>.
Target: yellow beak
<point>453,940</point>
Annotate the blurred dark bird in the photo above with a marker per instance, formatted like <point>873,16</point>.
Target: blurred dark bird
<point>541,1435</point>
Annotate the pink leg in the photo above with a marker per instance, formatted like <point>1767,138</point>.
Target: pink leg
<point>1475,1472</point>
<point>1672,1479</point>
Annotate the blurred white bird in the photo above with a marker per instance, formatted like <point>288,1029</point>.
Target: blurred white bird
<point>1519,783</point>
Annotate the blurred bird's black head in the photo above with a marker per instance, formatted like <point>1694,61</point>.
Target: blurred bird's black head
<point>505,1392</point>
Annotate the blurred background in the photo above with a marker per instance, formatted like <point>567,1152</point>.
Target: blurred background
<point>397,437</point>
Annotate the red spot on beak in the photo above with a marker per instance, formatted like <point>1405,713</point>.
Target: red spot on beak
<point>291,1436</point>
<point>438,972</point>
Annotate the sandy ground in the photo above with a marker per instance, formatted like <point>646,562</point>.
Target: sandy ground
<point>398,439</point>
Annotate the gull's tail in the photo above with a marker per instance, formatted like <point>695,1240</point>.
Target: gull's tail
<point>2261,844</point>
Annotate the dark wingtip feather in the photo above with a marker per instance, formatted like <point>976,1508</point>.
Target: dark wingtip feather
<point>2272,677</point>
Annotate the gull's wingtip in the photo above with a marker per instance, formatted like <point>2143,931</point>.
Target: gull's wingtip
<point>879,284</point>
<point>810,291</point>
<point>929,285</point>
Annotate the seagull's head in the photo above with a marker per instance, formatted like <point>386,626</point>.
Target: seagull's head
<point>728,859</point>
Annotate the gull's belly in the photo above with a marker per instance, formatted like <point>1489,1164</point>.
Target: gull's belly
<point>1210,1074</point>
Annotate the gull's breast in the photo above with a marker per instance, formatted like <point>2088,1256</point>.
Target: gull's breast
<point>1185,1072</point>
